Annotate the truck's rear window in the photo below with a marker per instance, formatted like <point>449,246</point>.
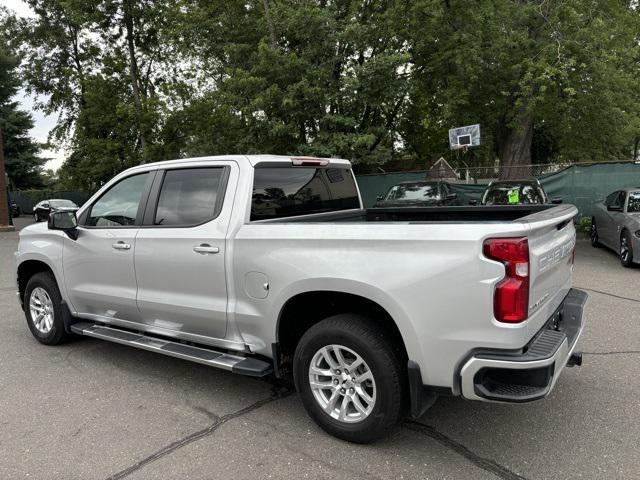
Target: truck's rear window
<point>287,191</point>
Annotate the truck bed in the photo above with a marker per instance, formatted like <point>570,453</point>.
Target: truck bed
<point>483,213</point>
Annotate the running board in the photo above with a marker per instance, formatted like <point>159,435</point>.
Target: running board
<point>233,363</point>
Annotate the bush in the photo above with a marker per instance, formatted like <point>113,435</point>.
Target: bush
<point>584,224</point>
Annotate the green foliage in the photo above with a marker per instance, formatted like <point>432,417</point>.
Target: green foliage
<point>375,82</point>
<point>584,225</point>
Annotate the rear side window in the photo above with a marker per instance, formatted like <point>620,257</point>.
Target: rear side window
<point>119,205</point>
<point>634,202</point>
<point>288,191</point>
<point>188,196</point>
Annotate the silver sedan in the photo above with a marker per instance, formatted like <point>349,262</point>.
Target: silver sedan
<point>616,224</point>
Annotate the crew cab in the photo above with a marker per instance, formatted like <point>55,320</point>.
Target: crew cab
<point>269,265</point>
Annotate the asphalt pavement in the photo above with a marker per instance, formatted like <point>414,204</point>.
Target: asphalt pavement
<point>96,410</point>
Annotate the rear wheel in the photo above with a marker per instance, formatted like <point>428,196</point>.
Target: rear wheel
<point>43,309</point>
<point>626,249</point>
<point>349,379</point>
<point>595,242</point>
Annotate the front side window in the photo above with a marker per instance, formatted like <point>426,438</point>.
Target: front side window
<point>119,205</point>
<point>188,196</point>
<point>620,200</point>
<point>634,202</point>
<point>611,199</point>
<point>289,191</point>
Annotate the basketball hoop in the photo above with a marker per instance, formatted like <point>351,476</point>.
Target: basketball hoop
<point>463,138</point>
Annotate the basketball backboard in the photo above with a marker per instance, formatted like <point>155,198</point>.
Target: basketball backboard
<point>464,137</point>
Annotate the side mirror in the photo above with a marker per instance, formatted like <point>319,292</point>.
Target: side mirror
<point>556,200</point>
<point>65,221</point>
<point>473,202</point>
<point>379,198</point>
<point>614,208</point>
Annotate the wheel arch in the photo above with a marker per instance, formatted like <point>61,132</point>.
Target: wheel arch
<point>306,308</point>
<point>27,269</point>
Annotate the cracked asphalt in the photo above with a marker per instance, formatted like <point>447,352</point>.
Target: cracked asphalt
<point>95,410</point>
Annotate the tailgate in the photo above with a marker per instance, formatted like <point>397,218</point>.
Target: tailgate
<point>552,240</point>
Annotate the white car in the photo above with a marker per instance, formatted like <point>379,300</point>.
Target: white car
<point>269,264</point>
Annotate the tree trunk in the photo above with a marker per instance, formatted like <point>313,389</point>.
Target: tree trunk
<point>272,32</point>
<point>4,197</point>
<point>514,147</point>
<point>134,73</point>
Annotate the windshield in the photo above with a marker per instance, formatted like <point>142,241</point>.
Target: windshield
<point>62,204</point>
<point>413,192</point>
<point>513,194</point>
<point>634,203</point>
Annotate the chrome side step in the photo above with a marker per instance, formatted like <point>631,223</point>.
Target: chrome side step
<point>226,361</point>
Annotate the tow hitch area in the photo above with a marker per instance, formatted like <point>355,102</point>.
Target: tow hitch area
<point>575,360</point>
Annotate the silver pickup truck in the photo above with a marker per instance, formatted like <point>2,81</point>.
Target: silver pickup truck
<point>266,265</point>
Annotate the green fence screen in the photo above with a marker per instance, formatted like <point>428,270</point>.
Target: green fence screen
<point>581,184</point>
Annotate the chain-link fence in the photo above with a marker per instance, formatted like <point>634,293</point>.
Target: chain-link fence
<point>502,172</point>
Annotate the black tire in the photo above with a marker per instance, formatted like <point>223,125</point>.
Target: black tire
<point>36,218</point>
<point>369,342</point>
<point>626,249</point>
<point>47,282</point>
<point>595,241</point>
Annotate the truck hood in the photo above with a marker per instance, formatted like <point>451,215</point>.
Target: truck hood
<point>34,228</point>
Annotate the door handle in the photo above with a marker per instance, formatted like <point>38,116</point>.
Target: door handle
<point>121,245</point>
<point>205,248</point>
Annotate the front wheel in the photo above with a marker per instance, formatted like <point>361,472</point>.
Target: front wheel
<point>349,379</point>
<point>35,217</point>
<point>43,309</point>
<point>626,249</point>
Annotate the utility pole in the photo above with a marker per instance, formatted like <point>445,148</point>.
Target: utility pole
<point>4,194</point>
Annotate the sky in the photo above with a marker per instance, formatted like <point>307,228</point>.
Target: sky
<point>42,123</point>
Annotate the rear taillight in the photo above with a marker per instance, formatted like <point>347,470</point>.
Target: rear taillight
<point>511,296</point>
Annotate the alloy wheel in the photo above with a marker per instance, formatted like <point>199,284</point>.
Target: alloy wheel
<point>41,308</point>
<point>624,249</point>
<point>342,383</point>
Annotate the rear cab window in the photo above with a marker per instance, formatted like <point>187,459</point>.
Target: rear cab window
<point>280,192</point>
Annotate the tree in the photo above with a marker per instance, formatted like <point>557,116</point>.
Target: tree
<point>524,68</point>
<point>20,151</point>
<point>377,81</point>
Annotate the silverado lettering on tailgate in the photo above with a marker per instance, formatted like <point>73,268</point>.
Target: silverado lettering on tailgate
<point>552,257</point>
